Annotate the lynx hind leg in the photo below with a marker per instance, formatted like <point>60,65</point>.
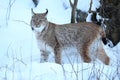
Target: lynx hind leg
<point>44,56</point>
<point>101,55</point>
<point>57,52</point>
<point>84,52</point>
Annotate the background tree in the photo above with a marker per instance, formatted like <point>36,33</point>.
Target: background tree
<point>81,16</point>
<point>111,9</point>
<point>94,14</point>
<point>74,7</point>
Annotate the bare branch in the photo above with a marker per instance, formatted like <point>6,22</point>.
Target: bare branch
<point>73,10</point>
<point>71,3</point>
<point>22,22</point>
<point>90,9</point>
<point>75,3</point>
<point>11,2</point>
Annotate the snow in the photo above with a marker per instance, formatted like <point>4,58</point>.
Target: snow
<point>20,56</point>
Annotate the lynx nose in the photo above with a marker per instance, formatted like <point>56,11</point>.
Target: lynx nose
<point>32,28</point>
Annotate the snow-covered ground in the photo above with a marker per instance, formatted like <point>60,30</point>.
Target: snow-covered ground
<point>20,56</point>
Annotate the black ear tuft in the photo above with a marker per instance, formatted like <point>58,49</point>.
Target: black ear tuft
<point>46,12</point>
<point>32,11</point>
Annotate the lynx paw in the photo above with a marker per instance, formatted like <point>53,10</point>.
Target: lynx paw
<point>44,56</point>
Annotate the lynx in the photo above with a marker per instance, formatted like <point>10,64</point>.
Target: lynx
<point>85,36</point>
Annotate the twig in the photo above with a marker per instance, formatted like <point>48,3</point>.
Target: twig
<point>64,71</point>
<point>71,65</point>
<point>9,10</point>
<point>90,9</point>
<point>22,22</point>
<point>20,61</point>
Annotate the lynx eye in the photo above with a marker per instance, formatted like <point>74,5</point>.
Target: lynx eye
<point>34,20</point>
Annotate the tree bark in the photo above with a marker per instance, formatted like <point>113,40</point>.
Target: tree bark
<point>111,9</point>
<point>73,6</point>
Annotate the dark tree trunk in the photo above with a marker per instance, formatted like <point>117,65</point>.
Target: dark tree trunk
<point>111,9</point>
<point>73,6</point>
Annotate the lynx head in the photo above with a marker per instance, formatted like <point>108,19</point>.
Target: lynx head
<point>38,21</point>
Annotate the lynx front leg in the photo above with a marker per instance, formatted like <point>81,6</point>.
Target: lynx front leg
<point>57,52</point>
<point>85,53</point>
<point>44,56</point>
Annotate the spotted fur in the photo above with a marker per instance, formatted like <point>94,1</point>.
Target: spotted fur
<point>85,36</point>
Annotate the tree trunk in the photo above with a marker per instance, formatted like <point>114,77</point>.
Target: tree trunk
<point>73,6</point>
<point>111,9</point>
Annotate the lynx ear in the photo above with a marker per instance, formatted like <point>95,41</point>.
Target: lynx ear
<point>33,13</point>
<point>46,12</point>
